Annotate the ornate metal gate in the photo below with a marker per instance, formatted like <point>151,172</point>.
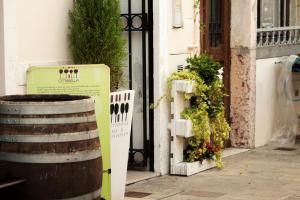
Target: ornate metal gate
<point>138,25</point>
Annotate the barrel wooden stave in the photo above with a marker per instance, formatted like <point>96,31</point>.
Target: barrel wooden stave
<point>69,179</point>
<point>42,129</point>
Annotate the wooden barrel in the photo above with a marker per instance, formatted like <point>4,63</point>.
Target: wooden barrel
<point>52,141</point>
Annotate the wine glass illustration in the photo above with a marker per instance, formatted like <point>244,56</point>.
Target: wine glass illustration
<point>112,109</point>
<point>111,98</point>
<point>116,111</point>
<point>71,72</point>
<point>122,109</point>
<point>126,110</point>
<point>66,72</point>
<point>76,72</point>
<point>60,73</point>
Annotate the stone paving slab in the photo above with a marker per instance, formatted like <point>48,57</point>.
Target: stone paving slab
<point>259,174</point>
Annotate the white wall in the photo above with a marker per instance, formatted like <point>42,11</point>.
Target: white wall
<point>171,48</point>
<point>267,73</point>
<point>35,32</point>
<point>42,31</point>
<point>2,71</point>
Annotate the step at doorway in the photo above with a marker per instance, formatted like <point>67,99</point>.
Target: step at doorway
<point>137,176</point>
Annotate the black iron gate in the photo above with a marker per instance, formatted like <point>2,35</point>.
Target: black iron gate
<point>142,23</point>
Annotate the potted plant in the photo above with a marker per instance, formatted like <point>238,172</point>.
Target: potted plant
<point>209,128</point>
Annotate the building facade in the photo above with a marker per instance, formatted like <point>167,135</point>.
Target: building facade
<point>259,33</point>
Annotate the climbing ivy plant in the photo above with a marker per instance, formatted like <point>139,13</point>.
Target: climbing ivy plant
<point>206,110</point>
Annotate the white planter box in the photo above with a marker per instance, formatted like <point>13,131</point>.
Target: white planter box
<point>180,128</point>
<point>185,86</point>
<point>183,128</point>
<point>188,169</point>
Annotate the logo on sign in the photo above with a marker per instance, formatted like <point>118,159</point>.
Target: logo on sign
<point>68,75</point>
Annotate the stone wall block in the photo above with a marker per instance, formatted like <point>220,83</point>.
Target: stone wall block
<point>243,97</point>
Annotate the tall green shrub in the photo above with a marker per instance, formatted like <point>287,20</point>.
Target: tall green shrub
<point>96,36</point>
<point>205,66</point>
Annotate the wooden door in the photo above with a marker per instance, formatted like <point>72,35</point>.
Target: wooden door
<point>215,38</point>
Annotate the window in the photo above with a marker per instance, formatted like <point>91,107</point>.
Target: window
<point>215,24</point>
<point>278,13</point>
<point>278,23</point>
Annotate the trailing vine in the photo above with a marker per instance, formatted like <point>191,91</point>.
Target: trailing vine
<point>207,146</point>
<point>206,110</point>
<point>220,132</point>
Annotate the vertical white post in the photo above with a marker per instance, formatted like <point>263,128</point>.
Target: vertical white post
<point>177,14</point>
<point>10,44</point>
<point>2,66</point>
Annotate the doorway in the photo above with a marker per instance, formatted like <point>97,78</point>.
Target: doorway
<point>215,39</point>
<point>137,16</point>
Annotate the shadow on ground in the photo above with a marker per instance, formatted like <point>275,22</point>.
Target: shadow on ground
<point>259,174</point>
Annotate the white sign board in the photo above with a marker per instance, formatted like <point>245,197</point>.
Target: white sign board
<point>121,108</point>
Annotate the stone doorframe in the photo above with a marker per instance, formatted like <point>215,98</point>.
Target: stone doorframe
<point>243,72</point>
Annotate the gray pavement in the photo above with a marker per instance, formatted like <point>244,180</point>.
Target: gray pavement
<point>259,174</point>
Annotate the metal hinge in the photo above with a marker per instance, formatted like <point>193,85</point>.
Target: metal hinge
<point>107,171</point>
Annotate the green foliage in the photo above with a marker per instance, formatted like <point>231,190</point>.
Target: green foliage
<point>193,151</point>
<point>206,112</point>
<point>210,142</point>
<point>205,66</point>
<point>220,132</point>
<point>199,117</point>
<point>96,36</point>
<point>199,86</point>
<point>215,97</point>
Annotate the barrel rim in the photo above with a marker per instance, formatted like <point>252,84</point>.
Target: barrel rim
<point>42,99</point>
<point>47,107</point>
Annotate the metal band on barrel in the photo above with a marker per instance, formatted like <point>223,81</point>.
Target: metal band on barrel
<point>89,196</point>
<point>49,138</point>
<point>44,158</point>
<point>36,121</point>
<point>47,108</point>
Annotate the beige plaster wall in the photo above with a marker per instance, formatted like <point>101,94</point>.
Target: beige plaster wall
<point>184,40</point>
<point>35,33</point>
<point>42,30</point>
<point>2,70</point>
<point>267,73</point>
